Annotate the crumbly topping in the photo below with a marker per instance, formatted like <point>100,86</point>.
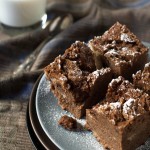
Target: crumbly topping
<point>56,65</point>
<point>102,71</point>
<point>116,81</point>
<point>118,86</point>
<point>63,78</point>
<point>111,110</point>
<point>118,44</point>
<point>112,52</point>
<point>54,72</point>
<point>125,108</point>
<point>125,37</point>
<point>72,71</point>
<point>142,75</point>
<point>128,107</point>
<point>147,65</point>
<point>82,54</point>
<point>123,102</point>
<point>124,48</point>
<point>142,78</point>
<point>96,74</point>
<point>115,105</point>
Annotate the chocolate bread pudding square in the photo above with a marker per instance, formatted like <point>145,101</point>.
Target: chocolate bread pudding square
<point>142,79</point>
<point>75,81</point>
<point>121,122</point>
<point>119,49</point>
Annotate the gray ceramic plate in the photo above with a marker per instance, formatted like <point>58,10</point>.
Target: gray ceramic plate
<point>49,113</point>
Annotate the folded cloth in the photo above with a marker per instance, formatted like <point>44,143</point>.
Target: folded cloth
<point>17,76</point>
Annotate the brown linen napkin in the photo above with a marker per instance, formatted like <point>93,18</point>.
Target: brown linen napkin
<point>16,88</point>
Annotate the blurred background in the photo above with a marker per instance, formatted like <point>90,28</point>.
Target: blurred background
<point>134,13</point>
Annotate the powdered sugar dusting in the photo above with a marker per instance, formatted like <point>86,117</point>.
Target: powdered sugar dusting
<point>124,49</point>
<point>112,52</point>
<point>63,78</point>
<point>118,63</point>
<point>147,65</point>
<point>124,37</point>
<point>96,73</point>
<point>104,71</point>
<point>117,80</point>
<point>115,105</point>
<point>127,106</point>
<point>76,42</point>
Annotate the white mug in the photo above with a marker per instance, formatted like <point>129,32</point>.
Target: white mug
<point>21,13</point>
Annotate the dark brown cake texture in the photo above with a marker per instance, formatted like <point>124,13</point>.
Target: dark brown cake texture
<point>68,123</point>
<point>119,49</point>
<point>75,81</point>
<point>122,120</point>
<point>142,79</point>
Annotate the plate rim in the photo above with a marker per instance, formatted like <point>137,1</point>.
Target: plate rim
<point>45,141</point>
<point>35,141</point>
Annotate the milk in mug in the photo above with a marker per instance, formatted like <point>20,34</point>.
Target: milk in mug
<point>21,13</point>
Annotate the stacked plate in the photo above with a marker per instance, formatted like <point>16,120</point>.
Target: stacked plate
<point>43,114</point>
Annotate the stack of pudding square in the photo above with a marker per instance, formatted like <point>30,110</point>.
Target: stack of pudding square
<point>83,76</point>
<point>141,79</point>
